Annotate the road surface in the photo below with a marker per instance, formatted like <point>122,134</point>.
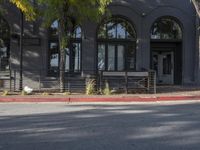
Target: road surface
<point>100,126</point>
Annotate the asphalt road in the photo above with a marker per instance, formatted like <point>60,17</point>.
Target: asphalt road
<point>125,126</point>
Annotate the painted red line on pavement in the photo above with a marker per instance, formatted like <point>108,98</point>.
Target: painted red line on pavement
<point>134,99</point>
<point>34,99</point>
<point>101,99</point>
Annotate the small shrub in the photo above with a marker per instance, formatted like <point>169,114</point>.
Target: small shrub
<point>66,93</point>
<point>23,93</point>
<point>45,94</point>
<point>107,90</point>
<point>5,93</point>
<point>90,87</point>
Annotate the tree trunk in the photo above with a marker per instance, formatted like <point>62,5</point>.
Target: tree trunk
<point>65,30</point>
<point>63,42</point>
<point>62,70</point>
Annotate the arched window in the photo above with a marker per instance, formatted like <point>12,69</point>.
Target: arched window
<point>116,45</point>
<point>166,28</point>
<point>4,44</point>
<point>73,51</point>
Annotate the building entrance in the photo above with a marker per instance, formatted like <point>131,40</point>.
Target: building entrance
<point>163,64</point>
<point>166,50</point>
<point>166,60</point>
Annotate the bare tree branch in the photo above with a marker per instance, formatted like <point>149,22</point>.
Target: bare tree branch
<point>197,6</point>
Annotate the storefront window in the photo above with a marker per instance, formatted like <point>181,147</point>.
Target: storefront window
<point>116,45</point>
<point>73,51</point>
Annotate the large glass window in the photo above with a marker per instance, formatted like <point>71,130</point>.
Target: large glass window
<point>4,44</point>
<point>116,45</point>
<point>73,51</point>
<point>111,57</point>
<point>166,28</point>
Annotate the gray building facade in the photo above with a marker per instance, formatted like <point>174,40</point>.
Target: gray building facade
<point>161,35</point>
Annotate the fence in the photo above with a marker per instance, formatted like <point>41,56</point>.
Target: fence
<point>129,81</point>
<point>42,80</point>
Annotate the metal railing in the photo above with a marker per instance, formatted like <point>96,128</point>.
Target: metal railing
<point>129,81</point>
<point>43,80</point>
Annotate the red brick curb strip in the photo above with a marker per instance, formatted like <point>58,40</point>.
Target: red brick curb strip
<point>99,99</point>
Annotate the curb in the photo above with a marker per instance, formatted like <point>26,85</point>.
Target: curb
<point>99,99</point>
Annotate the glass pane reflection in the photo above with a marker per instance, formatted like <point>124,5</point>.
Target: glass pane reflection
<point>121,32</point>
<point>67,59</point>
<point>111,30</point>
<point>116,28</point>
<point>76,57</point>
<point>73,53</point>
<point>166,28</point>
<point>117,46</point>
<point>111,57</point>
<point>54,56</point>
<point>101,57</point>
<point>120,60</point>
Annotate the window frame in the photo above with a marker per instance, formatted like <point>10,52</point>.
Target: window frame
<point>173,19</point>
<point>116,41</point>
<point>54,39</point>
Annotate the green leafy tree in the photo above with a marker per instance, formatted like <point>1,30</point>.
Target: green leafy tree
<point>69,14</point>
<point>25,6</point>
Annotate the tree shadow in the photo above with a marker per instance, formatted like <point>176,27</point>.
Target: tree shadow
<point>117,127</point>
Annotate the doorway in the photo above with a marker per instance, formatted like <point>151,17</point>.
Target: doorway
<point>163,64</point>
<point>166,50</point>
<point>166,60</point>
